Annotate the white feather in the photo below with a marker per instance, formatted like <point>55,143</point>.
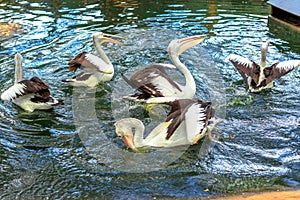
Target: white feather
<point>240,60</point>
<point>101,65</point>
<point>164,86</point>
<point>153,74</point>
<point>26,103</point>
<point>193,124</point>
<point>14,91</point>
<point>288,65</point>
<point>157,136</point>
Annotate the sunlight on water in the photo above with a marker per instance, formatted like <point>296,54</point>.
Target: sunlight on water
<point>45,155</point>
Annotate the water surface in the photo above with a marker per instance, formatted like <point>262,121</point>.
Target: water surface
<point>48,154</point>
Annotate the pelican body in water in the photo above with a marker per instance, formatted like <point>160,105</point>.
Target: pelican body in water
<point>188,121</point>
<point>259,77</point>
<point>153,81</point>
<point>31,94</point>
<point>94,69</point>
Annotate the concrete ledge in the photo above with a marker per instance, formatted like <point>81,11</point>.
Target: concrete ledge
<point>284,29</point>
<point>290,195</point>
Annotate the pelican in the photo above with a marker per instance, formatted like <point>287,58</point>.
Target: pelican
<point>94,69</point>
<point>188,121</point>
<point>259,77</point>
<point>153,81</point>
<point>31,94</point>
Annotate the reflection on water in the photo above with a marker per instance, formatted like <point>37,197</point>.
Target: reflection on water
<point>43,155</point>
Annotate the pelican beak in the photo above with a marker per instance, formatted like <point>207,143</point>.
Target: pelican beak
<point>114,36</point>
<point>189,42</point>
<point>196,138</point>
<point>107,71</point>
<point>265,45</point>
<point>104,37</point>
<point>18,59</point>
<point>128,140</point>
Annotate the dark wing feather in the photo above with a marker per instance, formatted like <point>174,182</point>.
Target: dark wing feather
<point>146,75</point>
<point>37,86</point>
<point>134,84</point>
<point>197,119</point>
<point>177,114</point>
<point>142,80</point>
<point>76,62</point>
<point>179,111</point>
<point>83,77</point>
<point>245,66</point>
<point>146,90</point>
<point>32,86</point>
<point>86,60</point>
<point>279,69</point>
<point>41,92</point>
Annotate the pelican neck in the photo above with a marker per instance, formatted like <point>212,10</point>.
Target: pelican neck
<point>18,71</point>
<point>189,79</point>
<point>100,51</point>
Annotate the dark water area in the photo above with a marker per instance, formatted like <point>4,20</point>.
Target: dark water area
<point>73,151</point>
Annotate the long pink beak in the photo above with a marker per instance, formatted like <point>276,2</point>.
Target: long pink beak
<point>109,38</point>
<point>128,140</point>
<point>189,42</point>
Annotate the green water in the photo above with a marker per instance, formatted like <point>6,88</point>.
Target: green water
<point>73,152</point>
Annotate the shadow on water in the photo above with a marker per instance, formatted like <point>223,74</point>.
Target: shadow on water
<point>61,153</point>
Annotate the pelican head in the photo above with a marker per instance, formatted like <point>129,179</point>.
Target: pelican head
<point>104,37</point>
<point>124,128</point>
<point>264,50</point>
<point>177,47</point>
<point>18,59</point>
<point>18,67</point>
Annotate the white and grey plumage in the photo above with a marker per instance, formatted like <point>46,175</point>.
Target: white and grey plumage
<point>188,121</point>
<point>153,81</point>
<point>94,69</point>
<point>259,77</point>
<point>31,94</point>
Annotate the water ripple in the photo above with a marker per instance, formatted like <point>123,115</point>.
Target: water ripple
<point>42,155</point>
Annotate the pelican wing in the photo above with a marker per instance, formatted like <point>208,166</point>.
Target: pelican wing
<point>157,136</point>
<point>83,77</point>
<point>89,63</point>
<point>279,69</point>
<point>176,118</point>
<point>152,80</point>
<point>147,90</point>
<point>13,92</point>
<point>80,77</point>
<point>177,114</point>
<point>33,86</point>
<point>197,117</point>
<point>195,114</point>
<point>245,66</point>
